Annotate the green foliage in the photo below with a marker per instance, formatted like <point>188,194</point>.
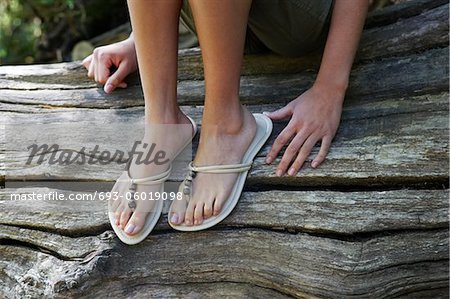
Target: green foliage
<point>23,24</point>
<point>46,30</point>
<point>16,37</point>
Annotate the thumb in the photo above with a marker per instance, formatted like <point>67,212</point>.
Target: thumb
<point>280,114</point>
<point>116,79</point>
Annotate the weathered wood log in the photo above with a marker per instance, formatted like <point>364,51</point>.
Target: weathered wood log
<point>366,150</point>
<point>412,75</point>
<point>317,212</point>
<point>295,265</point>
<point>425,73</point>
<point>371,222</point>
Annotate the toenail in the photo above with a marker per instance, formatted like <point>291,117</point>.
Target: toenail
<point>129,229</point>
<point>174,218</point>
<point>188,222</point>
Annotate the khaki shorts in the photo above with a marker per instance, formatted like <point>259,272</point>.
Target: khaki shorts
<point>286,27</point>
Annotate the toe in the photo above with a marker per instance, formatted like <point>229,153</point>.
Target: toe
<point>217,207</point>
<point>178,210</point>
<point>130,228</point>
<point>135,223</point>
<point>115,203</point>
<point>198,213</point>
<point>174,218</point>
<point>207,209</point>
<point>118,214</point>
<point>177,217</point>
<point>189,215</point>
<point>124,217</point>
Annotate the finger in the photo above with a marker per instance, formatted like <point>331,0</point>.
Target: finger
<point>102,72</point>
<point>291,151</point>
<point>280,114</point>
<point>116,79</point>
<point>303,154</point>
<point>326,143</point>
<point>279,142</point>
<point>87,61</point>
<point>91,70</point>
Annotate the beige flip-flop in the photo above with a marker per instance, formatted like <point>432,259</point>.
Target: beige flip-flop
<point>154,215</point>
<point>264,129</point>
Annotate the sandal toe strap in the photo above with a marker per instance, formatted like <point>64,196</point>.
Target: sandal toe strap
<point>230,168</point>
<point>152,180</point>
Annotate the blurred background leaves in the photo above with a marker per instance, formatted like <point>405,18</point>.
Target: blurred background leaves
<point>33,31</point>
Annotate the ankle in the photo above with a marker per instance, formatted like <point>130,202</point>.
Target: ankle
<point>230,123</point>
<point>162,116</point>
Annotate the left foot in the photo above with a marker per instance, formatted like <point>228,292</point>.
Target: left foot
<point>168,139</point>
<point>219,145</point>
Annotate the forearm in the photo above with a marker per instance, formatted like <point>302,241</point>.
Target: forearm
<point>347,22</point>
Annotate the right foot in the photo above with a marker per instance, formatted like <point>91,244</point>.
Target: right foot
<point>211,190</point>
<point>170,139</point>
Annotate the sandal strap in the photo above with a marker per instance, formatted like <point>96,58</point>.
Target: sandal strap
<point>151,180</point>
<point>230,168</point>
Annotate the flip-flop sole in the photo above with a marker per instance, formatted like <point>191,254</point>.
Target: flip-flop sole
<point>152,218</point>
<point>264,129</point>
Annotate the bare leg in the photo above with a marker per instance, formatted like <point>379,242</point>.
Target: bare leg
<point>155,29</point>
<point>227,127</point>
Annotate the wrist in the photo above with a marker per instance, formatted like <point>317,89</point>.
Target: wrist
<point>333,83</point>
<point>130,40</point>
<point>330,91</point>
<point>129,45</point>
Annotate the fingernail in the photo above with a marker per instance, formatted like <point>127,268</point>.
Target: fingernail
<point>109,87</point>
<point>129,229</point>
<point>174,218</point>
<point>292,171</point>
<point>279,173</point>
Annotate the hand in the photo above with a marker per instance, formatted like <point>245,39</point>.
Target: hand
<point>315,116</point>
<point>121,55</point>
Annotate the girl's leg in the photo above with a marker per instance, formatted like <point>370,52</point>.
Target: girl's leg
<point>155,29</point>
<point>227,127</point>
